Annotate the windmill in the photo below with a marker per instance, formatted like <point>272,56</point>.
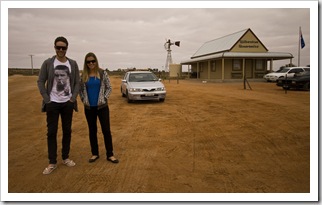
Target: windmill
<point>167,46</point>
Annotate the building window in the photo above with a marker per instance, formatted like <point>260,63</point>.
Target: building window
<point>213,66</point>
<point>237,65</point>
<point>259,65</point>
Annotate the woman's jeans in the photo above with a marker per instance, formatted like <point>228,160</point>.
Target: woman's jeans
<point>53,110</point>
<point>103,115</point>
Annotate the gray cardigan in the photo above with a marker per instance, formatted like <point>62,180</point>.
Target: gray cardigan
<point>46,79</point>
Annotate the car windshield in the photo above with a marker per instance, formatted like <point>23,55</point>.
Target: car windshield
<point>142,77</point>
<point>279,70</point>
<point>284,70</point>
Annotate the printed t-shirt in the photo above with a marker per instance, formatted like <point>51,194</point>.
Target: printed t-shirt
<point>61,91</point>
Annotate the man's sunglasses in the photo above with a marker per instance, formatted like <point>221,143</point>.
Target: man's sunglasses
<point>64,48</point>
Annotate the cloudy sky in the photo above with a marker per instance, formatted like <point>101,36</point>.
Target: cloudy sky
<point>135,36</point>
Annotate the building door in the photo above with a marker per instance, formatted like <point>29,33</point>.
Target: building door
<point>249,68</point>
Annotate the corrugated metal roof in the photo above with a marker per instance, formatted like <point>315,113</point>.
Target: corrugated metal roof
<point>214,56</point>
<point>267,55</point>
<point>220,48</point>
<point>219,45</point>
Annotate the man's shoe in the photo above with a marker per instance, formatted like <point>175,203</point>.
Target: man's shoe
<point>49,169</point>
<point>69,162</point>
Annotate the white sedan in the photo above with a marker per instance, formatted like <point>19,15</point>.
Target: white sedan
<point>285,72</point>
<point>142,85</point>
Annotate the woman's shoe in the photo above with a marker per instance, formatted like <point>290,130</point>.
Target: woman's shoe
<point>93,158</point>
<point>113,159</point>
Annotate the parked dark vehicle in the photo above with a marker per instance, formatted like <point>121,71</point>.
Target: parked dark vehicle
<point>299,81</point>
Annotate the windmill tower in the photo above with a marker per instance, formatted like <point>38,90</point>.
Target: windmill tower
<point>167,47</point>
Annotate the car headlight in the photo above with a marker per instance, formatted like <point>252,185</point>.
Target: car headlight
<point>161,89</point>
<point>135,90</point>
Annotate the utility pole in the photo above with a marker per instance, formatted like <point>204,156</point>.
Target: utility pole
<point>32,65</point>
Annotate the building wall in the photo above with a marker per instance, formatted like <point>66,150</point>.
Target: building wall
<point>175,69</point>
<point>233,69</point>
<point>216,71</point>
<point>228,69</point>
<point>249,43</point>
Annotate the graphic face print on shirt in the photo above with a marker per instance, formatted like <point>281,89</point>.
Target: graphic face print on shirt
<point>61,91</point>
<point>62,79</point>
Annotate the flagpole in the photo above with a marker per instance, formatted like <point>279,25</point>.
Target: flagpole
<point>299,49</point>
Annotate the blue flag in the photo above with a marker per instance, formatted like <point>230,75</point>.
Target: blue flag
<point>302,40</point>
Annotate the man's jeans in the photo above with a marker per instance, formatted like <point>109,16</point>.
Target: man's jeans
<point>53,110</point>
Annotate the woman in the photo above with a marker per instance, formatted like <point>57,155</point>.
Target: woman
<point>95,89</point>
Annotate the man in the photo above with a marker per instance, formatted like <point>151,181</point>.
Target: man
<point>58,83</point>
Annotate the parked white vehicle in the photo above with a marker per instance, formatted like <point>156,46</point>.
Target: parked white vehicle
<point>285,72</point>
<point>142,85</point>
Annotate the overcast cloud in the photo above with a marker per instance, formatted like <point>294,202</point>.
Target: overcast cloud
<point>135,37</point>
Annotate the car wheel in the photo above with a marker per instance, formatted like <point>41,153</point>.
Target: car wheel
<point>306,86</point>
<point>161,99</point>
<point>128,98</point>
<point>123,95</point>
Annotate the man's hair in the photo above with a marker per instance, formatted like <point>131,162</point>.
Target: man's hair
<point>62,39</point>
<point>63,68</point>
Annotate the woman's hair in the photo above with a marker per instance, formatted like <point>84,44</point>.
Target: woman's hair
<point>86,69</point>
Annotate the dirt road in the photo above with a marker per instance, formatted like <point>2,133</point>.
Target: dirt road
<point>205,138</point>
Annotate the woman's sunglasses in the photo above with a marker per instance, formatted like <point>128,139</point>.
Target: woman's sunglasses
<point>92,61</point>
